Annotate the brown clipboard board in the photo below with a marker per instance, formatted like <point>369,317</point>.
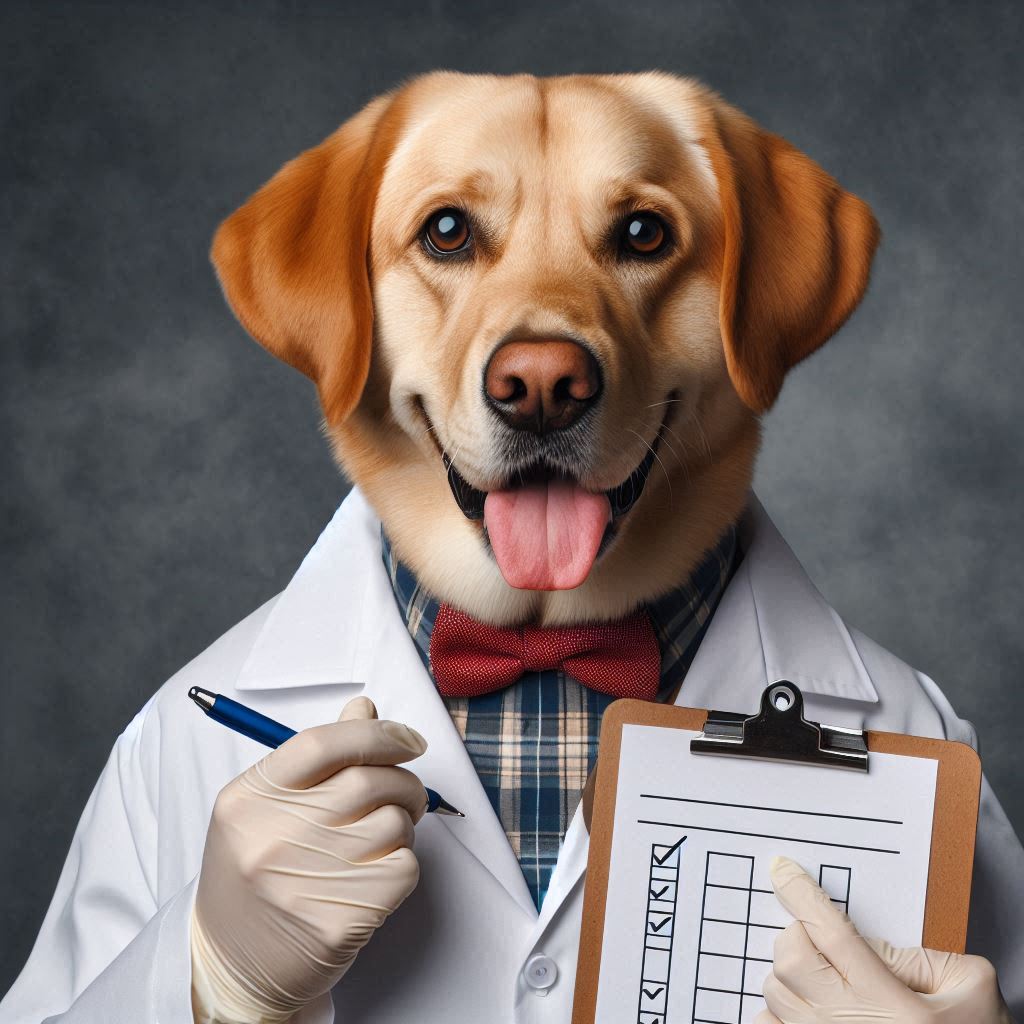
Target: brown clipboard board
<point>950,867</point>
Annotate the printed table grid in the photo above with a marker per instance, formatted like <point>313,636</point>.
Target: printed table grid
<point>738,926</point>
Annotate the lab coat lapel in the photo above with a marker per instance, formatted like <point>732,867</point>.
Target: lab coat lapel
<point>336,623</point>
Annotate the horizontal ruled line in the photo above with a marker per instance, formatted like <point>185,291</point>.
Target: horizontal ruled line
<point>764,835</point>
<point>729,991</point>
<point>734,956</point>
<point>744,924</point>
<point>775,810</point>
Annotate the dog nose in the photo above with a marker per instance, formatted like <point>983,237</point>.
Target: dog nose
<point>541,385</point>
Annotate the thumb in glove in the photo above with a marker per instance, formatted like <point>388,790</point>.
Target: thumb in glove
<point>825,972</point>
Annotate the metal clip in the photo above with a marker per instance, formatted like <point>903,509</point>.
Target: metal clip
<point>779,732</point>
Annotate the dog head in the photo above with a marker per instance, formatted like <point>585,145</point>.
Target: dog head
<point>543,317</point>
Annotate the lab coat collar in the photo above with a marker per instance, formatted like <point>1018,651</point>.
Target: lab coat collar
<point>318,631</point>
<point>772,622</point>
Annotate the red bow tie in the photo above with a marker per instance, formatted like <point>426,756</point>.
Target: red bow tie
<point>469,658</point>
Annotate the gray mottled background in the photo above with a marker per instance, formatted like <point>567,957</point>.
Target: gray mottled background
<point>162,476</point>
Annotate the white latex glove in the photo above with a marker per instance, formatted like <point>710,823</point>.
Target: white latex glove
<point>307,853</point>
<point>825,972</point>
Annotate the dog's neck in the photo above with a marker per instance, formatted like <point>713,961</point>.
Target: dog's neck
<point>678,519</point>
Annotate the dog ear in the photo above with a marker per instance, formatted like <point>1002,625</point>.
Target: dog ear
<point>797,255</point>
<point>293,260</point>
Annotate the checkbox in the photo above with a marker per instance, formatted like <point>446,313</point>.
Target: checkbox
<point>659,924</point>
<point>656,965</point>
<point>664,891</point>
<point>653,997</point>
<point>665,856</point>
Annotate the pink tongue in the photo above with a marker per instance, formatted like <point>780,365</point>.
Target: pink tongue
<point>546,536</point>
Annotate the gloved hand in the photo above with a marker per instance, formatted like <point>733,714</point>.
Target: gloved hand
<point>307,853</point>
<point>825,972</point>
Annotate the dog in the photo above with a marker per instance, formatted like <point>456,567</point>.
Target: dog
<point>543,317</point>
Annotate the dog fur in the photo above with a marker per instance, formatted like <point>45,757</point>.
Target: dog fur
<point>324,267</point>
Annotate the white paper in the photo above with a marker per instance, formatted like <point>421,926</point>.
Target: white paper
<point>691,920</point>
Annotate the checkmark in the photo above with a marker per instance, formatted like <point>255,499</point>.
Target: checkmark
<point>652,995</point>
<point>669,852</point>
<point>657,927</point>
<point>661,892</point>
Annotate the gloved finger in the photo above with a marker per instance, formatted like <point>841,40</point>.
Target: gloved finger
<point>346,796</point>
<point>832,932</point>
<point>374,836</point>
<point>316,754</point>
<point>358,707</point>
<point>766,1017</point>
<point>912,966</point>
<point>924,970</point>
<point>354,792</point>
<point>786,1005</point>
<point>799,965</point>
<point>376,886</point>
<point>399,873</point>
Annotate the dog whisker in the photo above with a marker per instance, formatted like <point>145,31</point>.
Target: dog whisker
<point>666,444</point>
<point>457,453</point>
<point>704,438</point>
<point>682,440</point>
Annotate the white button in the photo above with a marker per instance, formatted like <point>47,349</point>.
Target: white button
<point>541,972</point>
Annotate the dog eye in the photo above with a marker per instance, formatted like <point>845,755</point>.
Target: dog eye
<point>644,234</point>
<point>447,232</point>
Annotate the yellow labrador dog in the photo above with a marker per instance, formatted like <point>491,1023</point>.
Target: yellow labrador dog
<point>543,317</point>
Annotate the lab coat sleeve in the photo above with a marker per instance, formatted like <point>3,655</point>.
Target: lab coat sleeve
<point>106,951</point>
<point>996,926</point>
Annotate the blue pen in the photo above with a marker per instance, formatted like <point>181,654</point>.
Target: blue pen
<point>272,734</point>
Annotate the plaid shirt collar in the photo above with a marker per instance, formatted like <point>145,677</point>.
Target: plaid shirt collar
<point>679,618</point>
<point>534,743</point>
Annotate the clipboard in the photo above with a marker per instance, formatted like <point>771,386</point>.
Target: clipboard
<point>780,732</point>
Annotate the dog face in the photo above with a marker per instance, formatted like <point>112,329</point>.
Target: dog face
<point>543,316</point>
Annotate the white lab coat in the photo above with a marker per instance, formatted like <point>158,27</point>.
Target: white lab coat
<point>114,945</point>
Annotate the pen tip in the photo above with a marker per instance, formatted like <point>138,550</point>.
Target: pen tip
<point>443,807</point>
<point>203,698</point>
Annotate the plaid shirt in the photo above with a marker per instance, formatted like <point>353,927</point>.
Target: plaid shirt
<point>534,743</point>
